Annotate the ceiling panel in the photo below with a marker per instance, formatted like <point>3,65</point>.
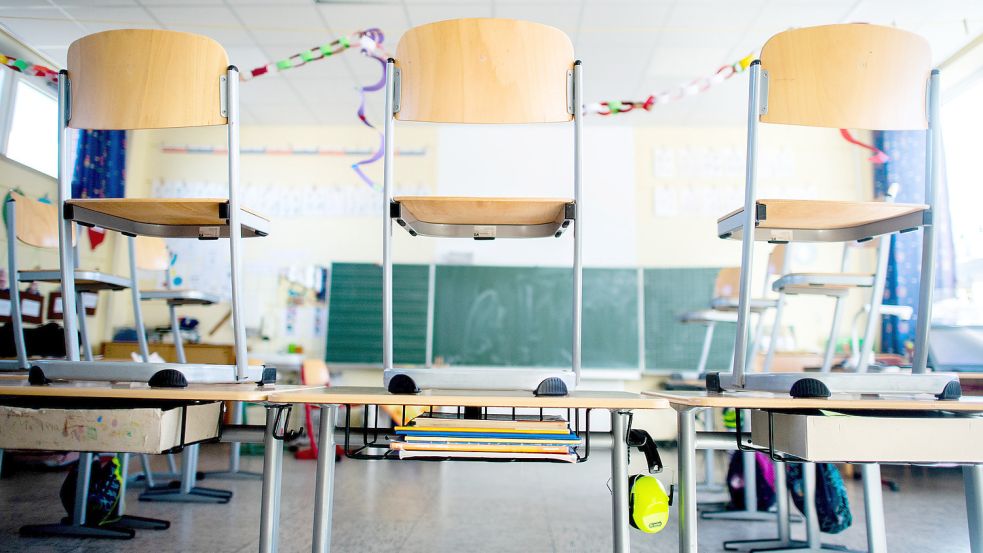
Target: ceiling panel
<point>630,48</point>
<point>104,18</point>
<point>275,25</point>
<point>217,22</point>
<point>421,13</point>
<point>41,27</point>
<point>565,17</point>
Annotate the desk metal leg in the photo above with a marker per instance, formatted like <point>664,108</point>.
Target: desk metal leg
<point>235,472</point>
<point>813,535</point>
<point>75,527</point>
<point>709,484</point>
<point>324,482</point>
<point>686,497</point>
<point>272,459</point>
<point>619,479</point>
<point>187,492</point>
<point>874,508</point>
<point>973,481</point>
<point>784,539</point>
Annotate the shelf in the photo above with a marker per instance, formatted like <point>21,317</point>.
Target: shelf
<point>165,218</point>
<point>375,442</point>
<point>824,221</point>
<point>85,281</point>
<point>180,297</point>
<point>822,284</point>
<point>483,218</point>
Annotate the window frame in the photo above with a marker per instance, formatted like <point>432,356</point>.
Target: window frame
<point>8,99</point>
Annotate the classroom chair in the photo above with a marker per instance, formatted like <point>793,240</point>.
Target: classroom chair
<point>140,79</point>
<point>149,253</point>
<point>839,76</point>
<point>471,71</point>
<point>723,306</point>
<point>838,286</point>
<point>35,224</point>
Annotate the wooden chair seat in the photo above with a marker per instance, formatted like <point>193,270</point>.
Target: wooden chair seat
<point>465,217</point>
<point>824,220</point>
<point>822,284</point>
<point>165,217</point>
<point>180,297</point>
<point>85,280</point>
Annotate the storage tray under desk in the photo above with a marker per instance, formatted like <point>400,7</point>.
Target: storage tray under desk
<point>374,443</point>
<point>904,437</point>
<point>147,426</point>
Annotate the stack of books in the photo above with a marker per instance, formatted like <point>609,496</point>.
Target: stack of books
<point>498,437</point>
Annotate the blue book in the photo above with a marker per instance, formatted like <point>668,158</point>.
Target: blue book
<point>571,437</point>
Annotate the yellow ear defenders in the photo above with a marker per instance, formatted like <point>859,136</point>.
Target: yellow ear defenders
<point>648,502</point>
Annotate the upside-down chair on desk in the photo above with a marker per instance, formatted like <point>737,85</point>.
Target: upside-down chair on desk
<point>839,76</point>
<point>472,71</point>
<point>141,79</point>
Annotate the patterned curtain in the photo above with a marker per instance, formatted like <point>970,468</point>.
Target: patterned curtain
<point>100,165</point>
<point>906,167</point>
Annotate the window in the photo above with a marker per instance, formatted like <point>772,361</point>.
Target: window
<point>32,138</point>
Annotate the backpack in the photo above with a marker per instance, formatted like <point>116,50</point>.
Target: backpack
<point>832,503</point>
<point>765,480</point>
<point>105,483</point>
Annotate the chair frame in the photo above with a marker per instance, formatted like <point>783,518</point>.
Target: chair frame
<point>540,379</point>
<point>942,386</point>
<point>130,371</point>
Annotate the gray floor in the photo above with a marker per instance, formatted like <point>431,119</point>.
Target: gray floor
<point>450,507</point>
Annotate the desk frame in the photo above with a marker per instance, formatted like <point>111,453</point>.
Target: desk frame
<point>690,440</point>
<point>330,399</point>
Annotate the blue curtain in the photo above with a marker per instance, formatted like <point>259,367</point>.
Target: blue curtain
<point>100,168</point>
<point>906,167</point>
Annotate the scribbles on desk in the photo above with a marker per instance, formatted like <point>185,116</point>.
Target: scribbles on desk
<point>493,437</point>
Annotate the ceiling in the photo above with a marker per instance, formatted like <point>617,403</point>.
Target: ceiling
<point>630,49</point>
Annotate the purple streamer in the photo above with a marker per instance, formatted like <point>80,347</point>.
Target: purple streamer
<point>376,36</point>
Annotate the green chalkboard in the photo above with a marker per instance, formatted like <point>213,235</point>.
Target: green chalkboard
<point>522,316</point>
<point>355,314</point>
<point>669,344</point>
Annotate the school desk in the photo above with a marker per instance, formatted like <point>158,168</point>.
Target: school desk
<point>619,403</point>
<point>686,403</point>
<point>139,392</point>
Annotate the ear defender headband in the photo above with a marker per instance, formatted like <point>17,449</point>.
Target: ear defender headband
<point>648,502</point>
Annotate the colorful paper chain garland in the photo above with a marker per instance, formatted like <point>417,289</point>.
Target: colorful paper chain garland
<point>674,94</point>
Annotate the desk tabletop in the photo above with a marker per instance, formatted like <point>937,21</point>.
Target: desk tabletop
<point>351,395</point>
<point>130,390</point>
<point>766,400</point>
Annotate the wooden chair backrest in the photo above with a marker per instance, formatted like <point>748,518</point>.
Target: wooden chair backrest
<point>484,71</point>
<point>36,222</point>
<point>776,261</point>
<point>151,253</point>
<point>314,372</point>
<point>854,76</point>
<point>145,79</point>
<point>728,282</point>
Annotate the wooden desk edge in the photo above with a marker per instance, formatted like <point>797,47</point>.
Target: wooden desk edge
<point>758,402</point>
<point>450,400</point>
